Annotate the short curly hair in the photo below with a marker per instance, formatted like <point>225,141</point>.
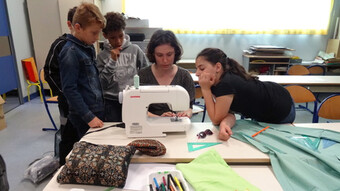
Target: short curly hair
<point>114,22</point>
<point>161,37</point>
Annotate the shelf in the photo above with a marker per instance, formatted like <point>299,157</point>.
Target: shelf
<point>269,63</point>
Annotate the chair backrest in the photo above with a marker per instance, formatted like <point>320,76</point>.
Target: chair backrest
<point>300,94</point>
<point>330,107</point>
<point>316,69</point>
<point>198,92</point>
<point>298,70</point>
<point>30,69</point>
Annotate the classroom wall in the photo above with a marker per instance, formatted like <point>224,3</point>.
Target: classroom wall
<point>307,46</point>
<point>22,41</point>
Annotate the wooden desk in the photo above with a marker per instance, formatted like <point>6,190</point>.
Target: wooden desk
<point>327,84</point>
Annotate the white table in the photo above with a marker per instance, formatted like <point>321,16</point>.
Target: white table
<point>317,84</point>
<point>261,176</point>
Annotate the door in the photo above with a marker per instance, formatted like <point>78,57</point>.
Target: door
<point>8,71</point>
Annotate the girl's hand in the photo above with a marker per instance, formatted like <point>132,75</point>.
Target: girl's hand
<point>225,132</point>
<point>206,80</point>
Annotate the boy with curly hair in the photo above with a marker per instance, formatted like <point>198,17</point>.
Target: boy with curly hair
<point>118,62</point>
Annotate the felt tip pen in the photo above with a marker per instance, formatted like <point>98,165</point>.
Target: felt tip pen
<point>260,131</point>
<point>156,183</point>
<point>171,183</point>
<point>164,181</point>
<point>178,184</point>
<point>162,187</point>
<point>150,186</point>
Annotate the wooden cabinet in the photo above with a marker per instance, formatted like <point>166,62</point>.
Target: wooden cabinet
<point>257,64</point>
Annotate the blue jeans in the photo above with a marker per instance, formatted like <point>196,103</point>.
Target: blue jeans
<point>290,117</point>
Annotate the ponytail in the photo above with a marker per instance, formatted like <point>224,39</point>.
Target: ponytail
<point>214,55</point>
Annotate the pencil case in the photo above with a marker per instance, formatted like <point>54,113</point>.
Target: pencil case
<point>159,181</point>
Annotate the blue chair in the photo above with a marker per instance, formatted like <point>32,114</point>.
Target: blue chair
<point>329,108</point>
<point>53,100</point>
<point>316,69</point>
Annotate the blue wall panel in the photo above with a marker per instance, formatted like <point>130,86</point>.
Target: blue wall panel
<point>8,79</point>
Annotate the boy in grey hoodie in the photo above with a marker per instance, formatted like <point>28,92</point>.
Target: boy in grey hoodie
<point>117,64</point>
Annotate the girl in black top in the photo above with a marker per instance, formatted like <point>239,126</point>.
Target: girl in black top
<point>227,89</point>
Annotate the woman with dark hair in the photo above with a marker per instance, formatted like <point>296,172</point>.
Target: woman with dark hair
<point>164,51</point>
<point>227,89</point>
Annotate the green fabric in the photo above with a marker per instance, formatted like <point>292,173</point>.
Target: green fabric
<point>297,155</point>
<point>210,172</point>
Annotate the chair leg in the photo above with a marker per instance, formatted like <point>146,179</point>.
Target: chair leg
<point>41,99</point>
<point>50,116</point>
<point>51,92</point>
<point>28,93</point>
<point>204,111</point>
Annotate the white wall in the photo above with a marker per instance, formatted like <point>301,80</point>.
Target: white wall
<point>111,5</point>
<point>306,46</point>
<point>21,35</point>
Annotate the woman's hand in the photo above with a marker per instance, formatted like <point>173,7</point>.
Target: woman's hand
<point>168,114</point>
<point>96,122</point>
<point>206,80</point>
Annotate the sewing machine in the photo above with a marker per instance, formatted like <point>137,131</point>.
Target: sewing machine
<point>135,110</point>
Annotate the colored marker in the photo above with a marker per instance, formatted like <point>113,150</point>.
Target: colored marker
<point>178,184</point>
<point>181,185</point>
<point>163,187</point>
<point>260,131</point>
<point>150,185</point>
<point>156,183</point>
<point>164,181</point>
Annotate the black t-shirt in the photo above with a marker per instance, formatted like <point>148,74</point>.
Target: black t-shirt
<point>263,101</point>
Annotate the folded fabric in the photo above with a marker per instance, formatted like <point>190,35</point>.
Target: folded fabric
<point>104,165</point>
<point>210,172</point>
<point>149,147</point>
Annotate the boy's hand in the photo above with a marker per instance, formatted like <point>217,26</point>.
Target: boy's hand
<point>115,53</point>
<point>96,122</point>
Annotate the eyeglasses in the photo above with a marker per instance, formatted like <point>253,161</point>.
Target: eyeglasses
<point>203,134</point>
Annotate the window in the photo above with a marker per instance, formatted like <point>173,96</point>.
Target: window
<point>234,16</point>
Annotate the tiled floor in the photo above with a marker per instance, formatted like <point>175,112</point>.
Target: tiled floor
<point>23,141</point>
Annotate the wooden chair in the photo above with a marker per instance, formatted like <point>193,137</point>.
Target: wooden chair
<point>297,70</point>
<point>53,100</point>
<point>32,77</point>
<point>329,108</point>
<point>301,94</point>
<point>316,69</point>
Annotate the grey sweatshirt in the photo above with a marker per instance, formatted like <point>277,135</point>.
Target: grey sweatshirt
<point>116,75</point>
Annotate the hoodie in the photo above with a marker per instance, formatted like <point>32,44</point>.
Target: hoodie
<point>116,75</point>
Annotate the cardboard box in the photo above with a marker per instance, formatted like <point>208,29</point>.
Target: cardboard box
<point>333,46</point>
<point>2,115</point>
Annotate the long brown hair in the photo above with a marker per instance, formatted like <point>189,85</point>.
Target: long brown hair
<point>214,55</point>
<point>161,37</point>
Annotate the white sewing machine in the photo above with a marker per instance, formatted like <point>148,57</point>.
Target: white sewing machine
<point>135,110</point>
